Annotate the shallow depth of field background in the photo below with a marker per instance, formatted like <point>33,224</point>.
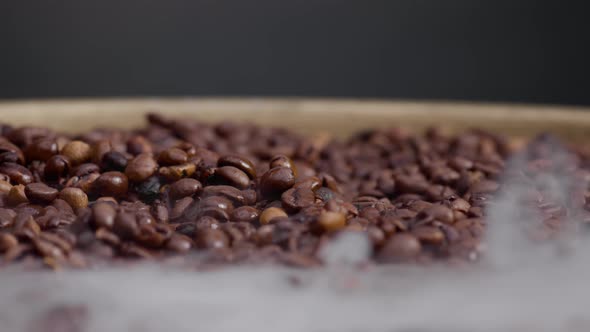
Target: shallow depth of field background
<point>523,51</point>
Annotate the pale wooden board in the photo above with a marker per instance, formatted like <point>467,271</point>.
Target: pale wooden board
<point>338,116</point>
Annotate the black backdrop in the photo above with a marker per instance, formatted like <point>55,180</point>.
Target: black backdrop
<point>529,51</point>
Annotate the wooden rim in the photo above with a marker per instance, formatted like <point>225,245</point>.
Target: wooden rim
<point>338,116</point>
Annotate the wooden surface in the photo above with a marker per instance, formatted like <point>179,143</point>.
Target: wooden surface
<point>338,116</point>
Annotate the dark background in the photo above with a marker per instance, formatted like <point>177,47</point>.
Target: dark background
<point>524,51</point>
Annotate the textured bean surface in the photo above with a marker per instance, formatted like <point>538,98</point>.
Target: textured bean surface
<point>245,194</point>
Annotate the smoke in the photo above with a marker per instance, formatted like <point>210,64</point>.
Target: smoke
<point>525,283</point>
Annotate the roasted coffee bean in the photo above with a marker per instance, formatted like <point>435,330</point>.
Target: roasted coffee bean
<point>103,214</point>
<point>99,149</point>
<point>276,180</point>
<point>179,243</point>
<point>17,173</point>
<point>114,161</point>
<point>5,187</point>
<point>400,247</point>
<point>7,242</point>
<point>429,234</point>
<point>184,187</point>
<point>179,208</point>
<point>6,217</point>
<point>111,184</point>
<point>56,167</point>
<point>77,152</point>
<point>138,145</point>
<point>209,238</point>
<point>296,199</point>
<point>41,149</point>
<point>7,147</point>
<point>149,189</point>
<point>283,161</point>
<point>238,162</point>
<point>178,172</point>
<point>141,167</point>
<point>125,226</point>
<point>437,212</point>
<point>232,176</point>
<point>332,221</point>
<point>268,215</point>
<point>75,197</point>
<point>172,156</point>
<point>245,214</point>
<point>40,193</point>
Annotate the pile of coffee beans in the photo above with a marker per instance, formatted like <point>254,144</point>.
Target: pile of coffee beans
<point>242,193</point>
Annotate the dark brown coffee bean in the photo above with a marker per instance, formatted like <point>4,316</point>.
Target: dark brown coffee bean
<point>107,236</point>
<point>125,226</point>
<point>179,208</point>
<point>276,180</point>
<point>56,167</point>
<point>41,149</point>
<point>39,192</point>
<point>179,243</point>
<point>17,173</point>
<point>103,215</point>
<point>400,247</point>
<point>232,176</point>
<point>7,146</point>
<point>138,144</point>
<point>485,186</point>
<point>245,214</point>
<point>77,152</point>
<point>238,197</point>
<point>99,149</point>
<point>297,199</point>
<point>283,161</point>
<point>114,161</point>
<point>84,170</point>
<point>153,236</point>
<point>312,183</point>
<point>111,184</point>
<point>141,167</point>
<point>376,235</point>
<point>211,239</point>
<point>239,162</point>
<point>129,249</point>
<point>461,205</point>
<point>172,156</point>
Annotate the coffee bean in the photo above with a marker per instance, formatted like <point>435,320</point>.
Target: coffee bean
<point>40,193</point>
<point>75,197</point>
<point>41,149</point>
<point>437,212</point>
<point>138,144</point>
<point>172,156</point>
<point>7,146</point>
<point>268,215</point>
<point>211,239</point>
<point>179,207</point>
<point>245,214</point>
<point>5,187</point>
<point>99,149</point>
<point>276,180</point>
<point>429,234</point>
<point>7,242</point>
<point>241,163</point>
<point>232,176</point>
<point>77,152</point>
<point>184,187</point>
<point>111,184</point>
<point>125,226</point>
<point>179,243</point>
<point>296,199</point>
<point>332,221</point>
<point>178,172</point>
<point>149,189</point>
<point>104,214</point>
<point>400,247</point>
<point>283,161</point>
<point>17,173</point>
<point>114,161</point>
<point>56,167</point>
<point>141,167</point>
